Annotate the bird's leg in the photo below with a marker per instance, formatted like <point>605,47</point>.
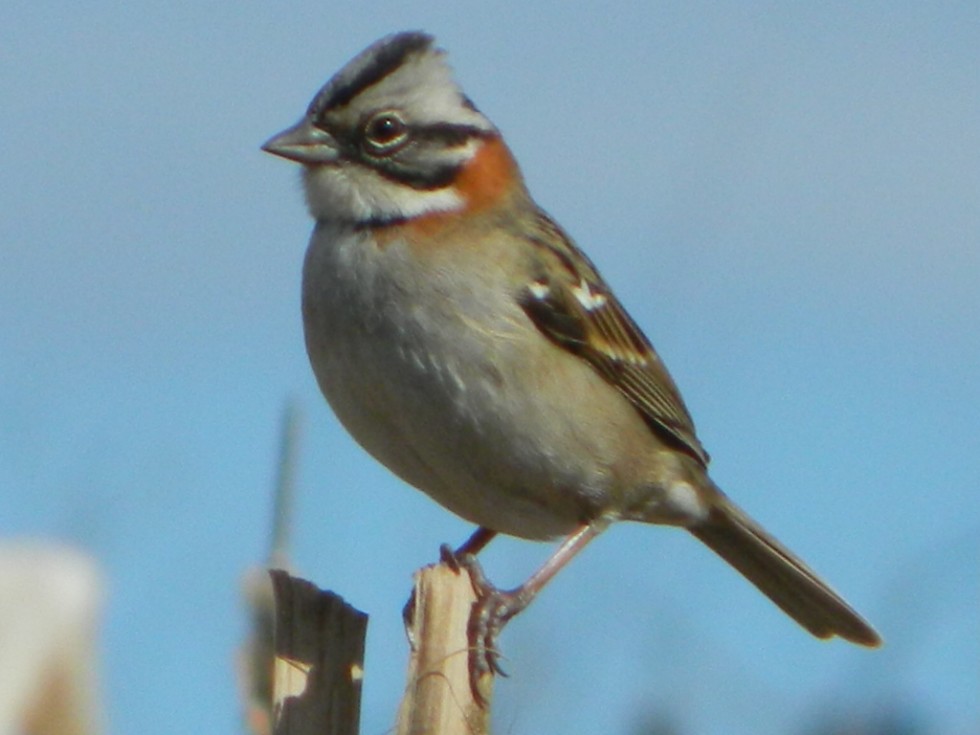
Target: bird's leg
<point>494,608</point>
<point>470,548</point>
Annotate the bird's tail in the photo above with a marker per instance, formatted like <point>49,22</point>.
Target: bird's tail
<point>778,573</point>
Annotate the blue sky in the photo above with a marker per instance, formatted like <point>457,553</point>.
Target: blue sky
<point>787,199</point>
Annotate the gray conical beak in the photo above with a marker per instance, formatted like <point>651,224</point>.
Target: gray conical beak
<point>303,143</point>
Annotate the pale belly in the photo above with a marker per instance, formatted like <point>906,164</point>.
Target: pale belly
<point>483,414</point>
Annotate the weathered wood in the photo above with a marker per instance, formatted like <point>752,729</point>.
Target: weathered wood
<point>256,659</point>
<point>51,600</point>
<point>438,698</point>
<point>319,660</point>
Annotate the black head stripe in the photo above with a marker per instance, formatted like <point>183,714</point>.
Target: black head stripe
<point>429,173</point>
<point>380,60</point>
<point>428,179</point>
<point>448,133</point>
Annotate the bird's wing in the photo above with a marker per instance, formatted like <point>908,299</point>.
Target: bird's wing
<point>570,303</point>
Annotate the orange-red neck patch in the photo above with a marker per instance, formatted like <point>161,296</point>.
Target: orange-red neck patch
<point>483,182</point>
<point>488,176</point>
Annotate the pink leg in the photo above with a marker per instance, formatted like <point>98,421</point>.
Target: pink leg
<point>476,543</point>
<point>494,608</point>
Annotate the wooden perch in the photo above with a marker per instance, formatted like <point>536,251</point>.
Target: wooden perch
<point>303,665</point>
<point>438,698</point>
<point>319,660</point>
<point>50,614</point>
<point>319,653</point>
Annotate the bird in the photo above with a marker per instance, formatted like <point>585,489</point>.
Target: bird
<point>466,342</point>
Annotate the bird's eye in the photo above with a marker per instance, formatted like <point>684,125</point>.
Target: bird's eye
<point>385,133</point>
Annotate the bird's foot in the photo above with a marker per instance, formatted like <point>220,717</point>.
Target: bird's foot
<point>492,610</point>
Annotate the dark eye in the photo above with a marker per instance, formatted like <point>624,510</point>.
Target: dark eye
<point>385,133</point>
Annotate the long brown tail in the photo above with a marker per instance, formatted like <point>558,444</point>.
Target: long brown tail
<point>784,578</point>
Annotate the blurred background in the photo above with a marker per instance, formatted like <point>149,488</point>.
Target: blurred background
<point>785,196</point>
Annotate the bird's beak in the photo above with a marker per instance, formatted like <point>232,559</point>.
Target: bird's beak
<point>304,143</point>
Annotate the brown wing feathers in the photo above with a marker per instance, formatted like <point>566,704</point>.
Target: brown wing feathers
<point>577,311</point>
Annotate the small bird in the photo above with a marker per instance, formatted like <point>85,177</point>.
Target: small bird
<point>468,345</point>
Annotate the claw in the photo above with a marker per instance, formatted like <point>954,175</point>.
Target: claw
<point>492,610</point>
<point>488,619</point>
<point>480,538</point>
<point>449,557</point>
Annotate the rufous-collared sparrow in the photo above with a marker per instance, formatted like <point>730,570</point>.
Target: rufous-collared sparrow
<point>467,344</point>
